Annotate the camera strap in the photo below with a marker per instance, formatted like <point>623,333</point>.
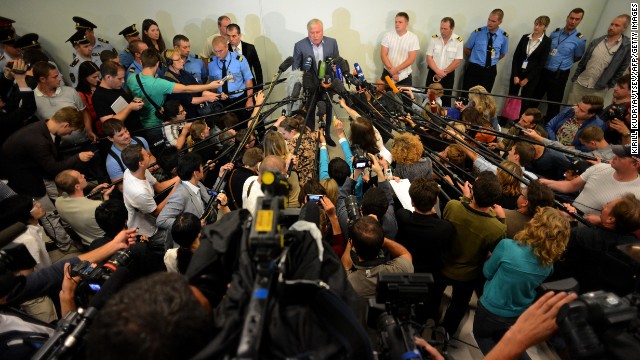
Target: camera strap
<point>158,108</point>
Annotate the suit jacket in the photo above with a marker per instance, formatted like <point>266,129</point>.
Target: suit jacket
<point>250,53</point>
<point>29,155</point>
<point>303,49</point>
<point>182,200</point>
<point>537,59</point>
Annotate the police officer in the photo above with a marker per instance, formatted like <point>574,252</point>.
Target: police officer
<point>567,46</point>
<point>485,47</point>
<point>130,34</point>
<point>136,47</point>
<point>193,63</point>
<point>83,50</point>
<point>226,63</point>
<point>444,55</point>
<point>99,45</point>
<point>6,28</point>
<point>7,44</point>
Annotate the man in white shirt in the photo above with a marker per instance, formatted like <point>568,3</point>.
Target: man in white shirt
<point>252,186</point>
<point>444,55</point>
<point>398,51</point>
<point>138,192</point>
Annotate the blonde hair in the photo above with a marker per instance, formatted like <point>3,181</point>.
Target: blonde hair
<point>547,234</point>
<point>195,132</point>
<point>407,148</point>
<point>485,104</point>
<point>275,144</point>
<point>456,154</point>
<point>436,88</point>
<point>510,185</point>
<point>331,187</point>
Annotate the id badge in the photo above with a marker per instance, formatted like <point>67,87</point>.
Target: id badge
<point>524,64</point>
<point>231,78</point>
<point>553,52</point>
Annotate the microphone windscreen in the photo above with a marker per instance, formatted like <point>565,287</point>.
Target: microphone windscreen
<point>321,109</point>
<point>391,84</point>
<point>307,63</point>
<point>359,71</point>
<point>308,81</point>
<point>338,87</point>
<point>321,69</point>
<point>285,64</point>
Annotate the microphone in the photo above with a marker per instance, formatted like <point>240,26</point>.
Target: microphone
<point>433,103</point>
<point>359,72</point>
<point>338,87</point>
<point>339,73</point>
<point>391,84</point>
<point>321,109</point>
<point>11,233</point>
<point>326,82</point>
<point>308,62</point>
<point>322,68</point>
<point>285,64</point>
<point>297,88</point>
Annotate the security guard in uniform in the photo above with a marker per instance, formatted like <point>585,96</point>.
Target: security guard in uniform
<point>6,28</point>
<point>83,50</point>
<point>485,47</point>
<point>567,47</point>
<point>193,64</point>
<point>227,63</point>
<point>130,34</point>
<point>7,44</point>
<point>99,45</point>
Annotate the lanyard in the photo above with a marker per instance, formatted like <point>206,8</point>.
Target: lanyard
<point>560,42</point>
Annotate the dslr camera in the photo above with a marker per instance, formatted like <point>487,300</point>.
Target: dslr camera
<point>360,158</point>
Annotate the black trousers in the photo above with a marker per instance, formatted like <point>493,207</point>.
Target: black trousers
<point>447,83</point>
<point>553,84</point>
<point>479,75</point>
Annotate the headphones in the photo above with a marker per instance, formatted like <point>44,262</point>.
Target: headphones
<point>167,61</point>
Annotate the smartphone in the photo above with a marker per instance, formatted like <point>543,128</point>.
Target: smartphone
<point>314,198</point>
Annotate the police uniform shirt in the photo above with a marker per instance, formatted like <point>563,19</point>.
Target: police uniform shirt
<point>478,42</point>
<point>237,66</point>
<point>4,58</point>
<point>564,49</point>
<point>73,70</point>
<point>444,54</point>
<point>196,67</point>
<point>126,57</point>
<point>133,69</point>
<point>100,46</point>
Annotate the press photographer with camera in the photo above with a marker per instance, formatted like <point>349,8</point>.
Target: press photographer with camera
<point>376,201</point>
<point>616,115</point>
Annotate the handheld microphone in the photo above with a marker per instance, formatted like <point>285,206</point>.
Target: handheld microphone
<point>285,64</point>
<point>359,72</point>
<point>308,62</point>
<point>433,103</point>
<point>322,68</point>
<point>391,84</point>
<point>339,73</point>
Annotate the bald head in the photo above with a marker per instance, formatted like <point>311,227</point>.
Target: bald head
<point>274,164</point>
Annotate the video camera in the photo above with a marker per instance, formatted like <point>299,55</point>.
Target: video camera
<point>399,292</point>
<point>94,277</point>
<point>360,158</point>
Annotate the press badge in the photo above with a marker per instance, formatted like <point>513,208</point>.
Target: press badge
<point>524,64</point>
<point>553,52</point>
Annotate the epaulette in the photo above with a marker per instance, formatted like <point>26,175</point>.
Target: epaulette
<point>478,29</point>
<point>73,77</point>
<point>1,56</point>
<point>435,36</point>
<point>239,58</point>
<point>74,62</point>
<point>579,35</point>
<point>103,40</point>
<point>460,38</point>
<point>127,50</point>
<point>196,56</point>
<point>506,34</point>
<point>132,70</point>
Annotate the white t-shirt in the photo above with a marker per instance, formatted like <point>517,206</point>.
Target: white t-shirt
<point>138,198</point>
<point>254,190</point>
<point>444,54</point>
<point>33,240</point>
<point>601,187</point>
<point>399,48</point>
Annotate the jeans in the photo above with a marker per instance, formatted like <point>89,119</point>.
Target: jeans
<point>460,296</point>
<point>488,329</point>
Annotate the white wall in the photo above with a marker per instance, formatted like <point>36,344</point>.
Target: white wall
<point>274,26</point>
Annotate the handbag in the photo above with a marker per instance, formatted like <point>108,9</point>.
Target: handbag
<point>511,109</point>
<point>159,109</point>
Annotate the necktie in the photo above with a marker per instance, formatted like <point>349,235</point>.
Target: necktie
<point>225,88</point>
<point>487,62</point>
<point>237,50</point>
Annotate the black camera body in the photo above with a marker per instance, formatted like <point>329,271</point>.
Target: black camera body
<point>615,112</point>
<point>360,158</point>
<point>94,277</point>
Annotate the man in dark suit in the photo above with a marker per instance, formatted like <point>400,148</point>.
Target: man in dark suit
<point>240,47</point>
<point>30,158</point>
<point>316,45</point>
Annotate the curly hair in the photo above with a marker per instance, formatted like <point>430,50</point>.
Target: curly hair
<point>510,185</point>
<point>362,134</point>
<point>547,234</point>
<point>407,148</point>
<point>485,104</point>
<point>456,154</point>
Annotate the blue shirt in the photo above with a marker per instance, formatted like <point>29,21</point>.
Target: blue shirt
<point>565,48</point>
<point>126,58</point>
<point>195,66</point>
<point>113,167</point>
<point>513,273</point>
<point>133,69</point>
<point>478,41</point>
<point>237,66</point>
